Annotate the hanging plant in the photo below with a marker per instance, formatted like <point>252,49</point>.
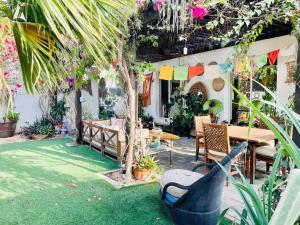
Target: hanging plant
<point>267,75</point>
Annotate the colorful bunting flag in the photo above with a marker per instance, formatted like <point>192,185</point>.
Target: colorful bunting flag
<point>272,56</point>
<point>260,61</point>
<point>226,67</point>
<point>166,72</point>
<point>242,65</point>
<point>181,73</point>
<point>195,71</point>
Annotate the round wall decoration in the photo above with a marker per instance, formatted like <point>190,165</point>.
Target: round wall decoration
<point>199,87</point>
<point>218,84</point>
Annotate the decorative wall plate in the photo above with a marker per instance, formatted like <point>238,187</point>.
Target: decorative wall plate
<point>218,84</point>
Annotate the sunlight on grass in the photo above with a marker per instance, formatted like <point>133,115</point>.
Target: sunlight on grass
<point>45,182</point>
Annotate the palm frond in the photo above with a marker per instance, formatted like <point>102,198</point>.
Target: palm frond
<point>41,26</point>
<point>35,49</point>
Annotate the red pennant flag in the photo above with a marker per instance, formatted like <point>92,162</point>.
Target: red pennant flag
<point>272,56</point>
<point>195,71</point>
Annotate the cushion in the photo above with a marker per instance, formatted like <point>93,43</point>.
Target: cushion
<point>269,143</point>
<point>183,177</point>
<point>266,150</point>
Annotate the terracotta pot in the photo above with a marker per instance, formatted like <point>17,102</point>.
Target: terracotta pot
<point>39,136</point>
<point>141,173</point>
<point>7,129</point>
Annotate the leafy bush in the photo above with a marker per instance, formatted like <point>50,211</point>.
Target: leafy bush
<point>58,111</point>
<point>44,126</point>
<point>13,116</point>
<point>29,130</point>
<point>188,107</point>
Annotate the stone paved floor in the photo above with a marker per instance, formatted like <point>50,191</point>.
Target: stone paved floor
<point>183,157</point>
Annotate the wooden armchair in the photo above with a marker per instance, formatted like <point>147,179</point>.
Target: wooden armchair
<point>199,120</point>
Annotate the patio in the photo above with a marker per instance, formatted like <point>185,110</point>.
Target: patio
<point>132,112</point>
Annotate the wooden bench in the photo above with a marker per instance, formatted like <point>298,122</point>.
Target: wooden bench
<point>101,135</point>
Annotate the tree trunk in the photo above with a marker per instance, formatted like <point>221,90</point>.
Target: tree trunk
<point>131,92</point>
<point>296,135</point>
<point>132,130</point>
<point>78,116</point>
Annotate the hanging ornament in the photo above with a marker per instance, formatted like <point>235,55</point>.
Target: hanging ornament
<point>177,15</point>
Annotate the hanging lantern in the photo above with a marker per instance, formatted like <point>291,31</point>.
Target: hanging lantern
<point>185,51</point>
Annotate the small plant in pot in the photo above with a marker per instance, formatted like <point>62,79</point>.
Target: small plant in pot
<point>214,107</point>
<point>144,167</point>
<point>8,128</point>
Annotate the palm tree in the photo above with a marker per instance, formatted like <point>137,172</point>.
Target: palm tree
<point>40,28</point>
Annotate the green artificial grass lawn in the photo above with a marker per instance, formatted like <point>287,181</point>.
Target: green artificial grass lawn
<point>37,188</point>
<point>48,183</point>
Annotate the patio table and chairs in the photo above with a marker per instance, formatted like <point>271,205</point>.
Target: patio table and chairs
<point>257,149</point>
<point>261,143</point>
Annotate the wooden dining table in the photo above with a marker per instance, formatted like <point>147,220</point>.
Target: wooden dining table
<point>254,138</point>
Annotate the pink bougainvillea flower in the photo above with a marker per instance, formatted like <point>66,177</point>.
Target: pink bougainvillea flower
<point>19,85</point>
<point>6,57</point>
<point>156,7</point>
<point>191,7</point>
<point>199,12</point>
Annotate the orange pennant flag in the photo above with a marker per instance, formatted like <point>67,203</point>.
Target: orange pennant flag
<point>195,71</point>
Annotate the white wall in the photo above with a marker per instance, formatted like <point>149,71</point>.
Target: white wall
<point>29,106</point>
<point>220,56</point>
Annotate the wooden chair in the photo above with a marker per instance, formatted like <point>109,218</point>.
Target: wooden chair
<point>199,120</point>
<point>217,143</point>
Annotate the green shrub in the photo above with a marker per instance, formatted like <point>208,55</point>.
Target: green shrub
<point>58,111</point>
<point>44,126</point>
<point>13,116</point>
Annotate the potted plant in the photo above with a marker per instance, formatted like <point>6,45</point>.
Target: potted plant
<point>144,167</point>
<point>214,107</point>
<point>8,128</point>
